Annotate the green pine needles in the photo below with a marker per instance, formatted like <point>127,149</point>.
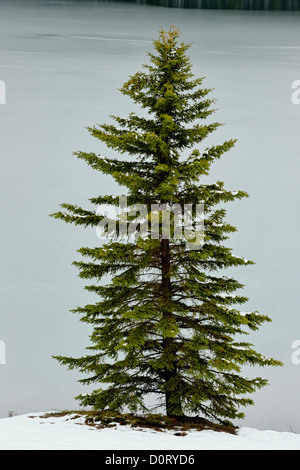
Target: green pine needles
<point>165,324</point>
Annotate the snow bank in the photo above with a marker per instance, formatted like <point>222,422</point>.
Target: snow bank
<point>33,432</point>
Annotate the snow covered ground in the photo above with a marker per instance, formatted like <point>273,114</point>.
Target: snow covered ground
<point>35,432</point>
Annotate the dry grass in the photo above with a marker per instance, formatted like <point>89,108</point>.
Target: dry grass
<point>157,422</point>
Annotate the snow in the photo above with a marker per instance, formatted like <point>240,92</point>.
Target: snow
<point>36,432</point>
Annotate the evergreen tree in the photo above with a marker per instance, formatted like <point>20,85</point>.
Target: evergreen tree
<point>166,322</point>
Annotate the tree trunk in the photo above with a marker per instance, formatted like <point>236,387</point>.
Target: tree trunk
<point>173,402</point>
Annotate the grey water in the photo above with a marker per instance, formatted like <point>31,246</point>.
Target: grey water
<point>62,64</point>
<point>291,5</point>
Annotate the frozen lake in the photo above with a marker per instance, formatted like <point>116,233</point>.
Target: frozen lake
<point>62,63</point>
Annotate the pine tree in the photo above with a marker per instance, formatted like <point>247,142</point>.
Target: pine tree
<point>166,322</point>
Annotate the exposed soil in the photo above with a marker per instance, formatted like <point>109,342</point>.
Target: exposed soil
<point>157,422</point>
